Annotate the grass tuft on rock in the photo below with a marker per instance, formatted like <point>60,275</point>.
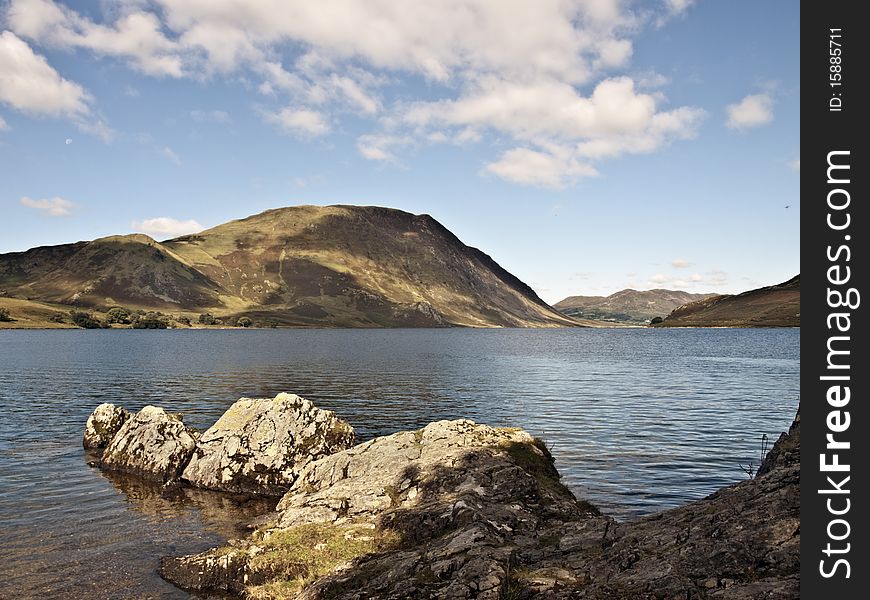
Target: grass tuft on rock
<point>302,554</point>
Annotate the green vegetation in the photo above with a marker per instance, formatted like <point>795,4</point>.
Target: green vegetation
<point>183,320</point>
<point>118,315</point>
<point>85,320</point>
<point>5,316</point>
<point>207,319</point>
<point>301,554</point>
<point>656,320</point>
<point>244,322</point>
<point>152,320</point>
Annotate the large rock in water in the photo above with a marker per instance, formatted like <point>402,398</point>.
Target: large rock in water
<point>436,513</point>
<point>153,443</point>
<point>103,424</point>
<point>459,510</point>
<point>260,446</point>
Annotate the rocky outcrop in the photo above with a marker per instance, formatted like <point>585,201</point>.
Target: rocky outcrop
<point>440,512</point>
<point>259,446</point>
<point>153,443</point>
<point>460,510</point>
<point>106,420</point>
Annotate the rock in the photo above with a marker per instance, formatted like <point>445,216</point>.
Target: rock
<point>446,510</point>
<point>741,542</point>
<point>786,451</point>
<point>260,446</point>
<point>153,443</point>
<point>103,424</point>
<point>459,510</point>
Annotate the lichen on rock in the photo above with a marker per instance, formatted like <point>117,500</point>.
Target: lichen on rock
<point>152,443</point>
<point>260,445</point>
<point>106,420</point>
<point>471,511</point>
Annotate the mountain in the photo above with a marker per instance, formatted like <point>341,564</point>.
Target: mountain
<point>773,306</point>
<point>336,266</point>
<point>628,306</point>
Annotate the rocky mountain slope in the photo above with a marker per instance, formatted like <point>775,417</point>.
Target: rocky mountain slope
<point>773,306</point>
<point>627,306</point>
<point>338,266</point>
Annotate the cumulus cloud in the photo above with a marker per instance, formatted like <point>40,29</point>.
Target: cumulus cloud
<point>30,85</point>
<point>3,125</point>
<point>135,35</point>
<point>545,95</point>
<point>680,263</point>
<point>300,122</point>
<point>52,207</point>
<point>161,227</point>
<point>171,155</point>
<point>754,110</point>
<point>550,169</point>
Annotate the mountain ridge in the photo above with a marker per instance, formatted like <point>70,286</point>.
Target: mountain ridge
<point>628,305</point>
<point>771,306</point>
<point>335,266</point>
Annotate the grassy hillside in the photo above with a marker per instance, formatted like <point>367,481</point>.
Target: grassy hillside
<point>627,306</point>
<point>335,266</point>
<point>773,306</point>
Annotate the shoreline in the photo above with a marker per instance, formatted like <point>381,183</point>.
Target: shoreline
<point>484,503</point>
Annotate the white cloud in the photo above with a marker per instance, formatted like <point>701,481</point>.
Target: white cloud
<point>753,111</point>
<point>567,129</point>
<point>680,263</point>
<point>696,282</point>
<point>214,116</point>
<point>30,85</point>
<point>514,71</point>
<point>171,155</point>
<point>52,207</point>
<point>550,169</point>
<point>167,227</point>
<point>300,122</point>
<point>795,165</point>
<point>3,125</point>
<point>135,35</point>
<point>678,6</point>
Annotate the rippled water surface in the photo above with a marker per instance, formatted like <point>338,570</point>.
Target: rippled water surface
<point>639,420</point>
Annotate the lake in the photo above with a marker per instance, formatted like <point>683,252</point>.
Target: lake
<point>639,420</point>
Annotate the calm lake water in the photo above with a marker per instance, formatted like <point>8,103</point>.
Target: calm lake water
<point>639,420</point>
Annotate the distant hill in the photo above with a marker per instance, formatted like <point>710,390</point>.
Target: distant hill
<point>627,306</point>
<point>336,266</point>
<point>773,306</point>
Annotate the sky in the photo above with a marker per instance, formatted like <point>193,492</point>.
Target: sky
<point>587,145</point>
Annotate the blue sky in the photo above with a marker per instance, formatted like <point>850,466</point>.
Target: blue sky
<point>586,145</point>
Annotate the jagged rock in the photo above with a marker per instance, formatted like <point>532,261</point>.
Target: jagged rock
<point>259,446</point>
<point>459,510</point>
<point>448,505</point>
<point>153,443</point>
<point>741,542</point>
<point>103,424</point>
